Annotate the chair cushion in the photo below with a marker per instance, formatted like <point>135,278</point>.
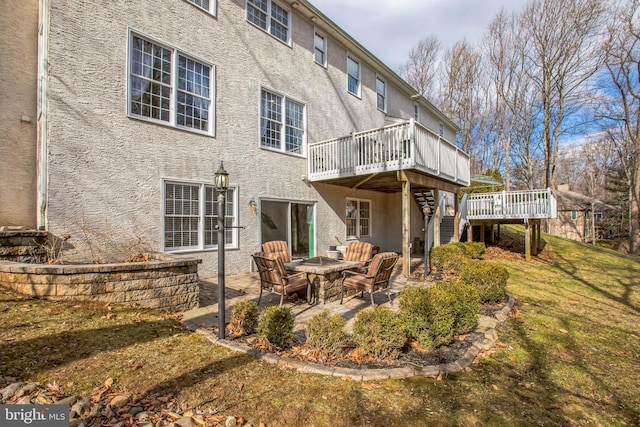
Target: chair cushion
<point>277,248</point>
<point>359,251</point>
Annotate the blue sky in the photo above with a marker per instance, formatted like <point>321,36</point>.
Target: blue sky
<point>390,28</point>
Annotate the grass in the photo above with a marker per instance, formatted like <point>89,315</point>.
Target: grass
<point>570,355</point>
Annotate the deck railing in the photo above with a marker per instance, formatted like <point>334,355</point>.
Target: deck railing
<point>534,204</point>
<point>406,145</point>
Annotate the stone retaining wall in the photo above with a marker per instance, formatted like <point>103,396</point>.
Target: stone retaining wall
<point>22,245</point>
<point>168,282</point>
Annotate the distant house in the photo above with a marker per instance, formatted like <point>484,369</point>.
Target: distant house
<point>116,115</point>
<point>574,215</point>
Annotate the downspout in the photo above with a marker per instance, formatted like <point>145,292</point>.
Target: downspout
<point>43,158</point>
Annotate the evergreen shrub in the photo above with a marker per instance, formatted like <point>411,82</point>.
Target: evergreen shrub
<point>326,333</point>
<point>275,326</point>
<point>379,332</point>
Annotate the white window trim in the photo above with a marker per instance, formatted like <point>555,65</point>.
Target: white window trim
<point>326,44</point>
<point>441,129</point>
<point>201,209</point>
<point>358,235</point>
<point>213,7</point>
<point>268,29</point>
<point>283,142</point>
<point>416,112</point>
<point>174,85</point>
<point>359,90</point>
<point>384,109</point>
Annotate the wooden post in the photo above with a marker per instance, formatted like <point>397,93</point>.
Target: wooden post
<point>539,236</point>
<point>491,241</point>
<point>406,225</point>
<point>527,240</point>
<point>482,231</point>
<point>534,242</point>
<point>436,220</point>
<point>470,233</point>
<point>456,219</point>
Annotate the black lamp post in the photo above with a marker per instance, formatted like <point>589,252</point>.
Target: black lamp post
<point>222,184</point>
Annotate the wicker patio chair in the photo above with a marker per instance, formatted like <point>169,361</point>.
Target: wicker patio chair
<point>375,279</point>
<point>278,248</point>
<point>274,277</point>
<point>360,252</point>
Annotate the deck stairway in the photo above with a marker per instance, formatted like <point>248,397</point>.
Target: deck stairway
<point>426,199</point>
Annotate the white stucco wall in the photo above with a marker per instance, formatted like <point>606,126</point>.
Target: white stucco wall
<point>106,169</point>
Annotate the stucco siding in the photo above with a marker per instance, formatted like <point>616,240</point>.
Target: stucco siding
<point>18,86</point>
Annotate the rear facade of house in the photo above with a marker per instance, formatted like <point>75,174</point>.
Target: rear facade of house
<point>136,104</point>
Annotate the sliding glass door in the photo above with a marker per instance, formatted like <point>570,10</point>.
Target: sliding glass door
<point>293,222</point>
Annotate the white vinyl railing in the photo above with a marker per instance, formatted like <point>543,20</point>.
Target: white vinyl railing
<point>463,214</point>
<point>406,145</point>
<point>512,205</point>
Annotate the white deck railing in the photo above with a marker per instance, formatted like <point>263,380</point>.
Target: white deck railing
<point>534,204</point>
<point>406,145</point>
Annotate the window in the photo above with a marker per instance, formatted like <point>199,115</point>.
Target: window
<point>358,218</point>
<point>320,49</point>
<point>598,216</point>
<point>168,86</point>
<point>574,215</point>
<point>207,5</point>
<point>381,90</point>
<point>282,123</point>
<point>441,129</point>
<point>191,216</point>
<point>269,16</point>
<point>416,112</point>
<point>353,76</point>
<point>291,221</point>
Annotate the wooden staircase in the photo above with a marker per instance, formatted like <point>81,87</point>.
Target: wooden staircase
<point>426,199</point>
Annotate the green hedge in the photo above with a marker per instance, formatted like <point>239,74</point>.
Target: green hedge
<point>380,333</point>
<point>489,278</point>
<point>275,326</point>
<point>326,333</point>
<point>447,258</point>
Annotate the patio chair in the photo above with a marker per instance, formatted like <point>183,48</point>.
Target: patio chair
<point>274,277</point>
<point>360,252</point>
<point>278,248</point>
<point>376,278</point>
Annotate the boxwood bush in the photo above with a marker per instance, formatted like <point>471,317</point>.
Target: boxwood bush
<point>326,333</point>
<point>275,326</point>
<point>466,305</point>
<point>380,333</point>
<point>244,318</point>
<point>488,277</point>
<point>447,258</point>
<point>473,250</point>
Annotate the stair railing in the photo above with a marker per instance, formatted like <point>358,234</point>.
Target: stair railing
<point>463,214</point>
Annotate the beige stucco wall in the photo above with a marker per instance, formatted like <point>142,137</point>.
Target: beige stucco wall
<point>106,169</point>
<point>18,89</point>
<point>564,226</point>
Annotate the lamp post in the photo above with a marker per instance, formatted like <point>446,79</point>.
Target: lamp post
<point>222,183</point>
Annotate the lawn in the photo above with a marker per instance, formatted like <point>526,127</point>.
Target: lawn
<point>568,355</point>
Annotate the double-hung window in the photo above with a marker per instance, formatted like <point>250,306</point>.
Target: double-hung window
<point>271,17</point>
<point>207,5</point>
<point>191,216</point>
<point>441,129</point>
<point>381,90</point>
<point>320,48</point>
<point>416,112</point>
<point>282,123</point>
<point>169,86</point>
<point>353,76</point>
<point>358,218</point>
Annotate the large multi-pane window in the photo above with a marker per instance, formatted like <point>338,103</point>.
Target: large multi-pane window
<point>353,76</point>
<point>208,5</point>
<point>282,123</point>
<point>381,90</point>
<point>358,218</point>
<point>191,216</point>
<point>320,48</point>
<point>170,86</point>
<point>271,17</point>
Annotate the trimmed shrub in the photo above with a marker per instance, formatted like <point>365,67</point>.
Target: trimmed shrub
<point>380,333</point>
<point>447,258</point>
<point>488,277</point>
<point>473,250</point>
<point>325,333</point>
<point>428,315</point>
<point>275,326</point>
<point>466,305</point>
<point>244,318</point>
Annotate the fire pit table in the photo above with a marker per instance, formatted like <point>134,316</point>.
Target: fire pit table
<point>325,275</point>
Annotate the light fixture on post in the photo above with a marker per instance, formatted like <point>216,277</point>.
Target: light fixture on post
<point>222,184</point>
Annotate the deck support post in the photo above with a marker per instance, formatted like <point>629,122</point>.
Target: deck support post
<point>456,219</point>
<point>437,217</point>
<point>491,233</point>
<point>470,233</point>
<point>534,242</point>
<point>539,236</point>
<point>406,225</point>
<point>527,240</point>
<point>482,231</point>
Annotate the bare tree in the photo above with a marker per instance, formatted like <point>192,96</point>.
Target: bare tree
<point>622,49</point>
<point>564,56</point>
<point>420,70</point>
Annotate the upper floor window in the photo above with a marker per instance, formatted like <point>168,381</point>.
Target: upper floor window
<point>416,112</point>
<point>598,216</point>
<point>353,76</point>
<point>269,16</point>
<point>320,48</point>
<point>358,218</point>
<point>169,86</point>
<point>381,90</point>
<point>441,129</point>
<point>574,215</point>
<point>208,5</point>
<point>191,216</point>
<point>282,123</point>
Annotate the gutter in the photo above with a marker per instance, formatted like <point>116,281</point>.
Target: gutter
<point>43,75</point>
